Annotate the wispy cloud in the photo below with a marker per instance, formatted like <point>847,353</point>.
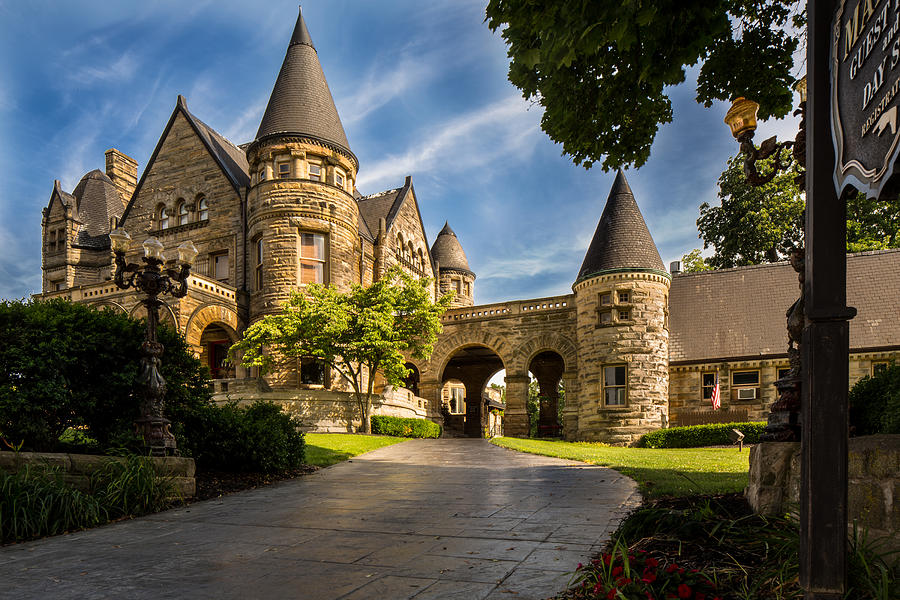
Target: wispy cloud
<point>119,71</point>
<point>475,138</point>
<point>381,84</point>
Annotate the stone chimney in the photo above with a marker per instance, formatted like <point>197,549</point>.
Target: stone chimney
<point>122,169</point>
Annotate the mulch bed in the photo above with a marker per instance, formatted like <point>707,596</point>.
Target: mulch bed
<point>214,484</point>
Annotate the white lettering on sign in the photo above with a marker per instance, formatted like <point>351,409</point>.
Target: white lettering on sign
<point>873,86</point>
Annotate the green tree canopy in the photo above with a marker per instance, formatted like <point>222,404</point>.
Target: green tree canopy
<point>752,224</point>
<point>365,331</point>
<point>600,69</point>
<point>757,224</point>
<point>693,262</point>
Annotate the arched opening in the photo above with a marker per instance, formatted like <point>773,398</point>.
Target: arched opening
<point>214,344</point>
<point>547,368</point>
<point>471,367</point>
<point>411,382</point>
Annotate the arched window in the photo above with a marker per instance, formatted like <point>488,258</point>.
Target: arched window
<point>183,214</point>
<point>409,252</point>
<point>162,217</point>
<point>399,246</point>
<point>202,209</point>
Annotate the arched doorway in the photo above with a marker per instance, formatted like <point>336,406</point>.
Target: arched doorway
<point>411,381</point>
<point>472,366</point>
<point>214,344</point>
<point>547,367</point>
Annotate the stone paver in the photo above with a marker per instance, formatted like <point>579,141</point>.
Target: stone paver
<point>427,519</point>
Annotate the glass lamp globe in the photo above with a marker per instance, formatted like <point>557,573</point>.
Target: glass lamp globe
<point>119,240</point>
<point>187,252</point>
<point>153,249</point>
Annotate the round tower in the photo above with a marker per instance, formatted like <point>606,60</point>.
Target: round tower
<point>303,222</point>
<point>454,273</point>
<point>622,293</point>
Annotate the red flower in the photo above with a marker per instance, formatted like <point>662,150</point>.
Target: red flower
<point>649,577</point>
<point>672,568</point>
<point>652,562</point>
<point>579,567</point>
<point>607,559</point>
<point>684,590</point>
<point>598,588</point>
<point>617,571</point>
<point>699,596</point>
<point>612,594</point>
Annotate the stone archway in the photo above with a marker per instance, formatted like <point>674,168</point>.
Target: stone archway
<point>207,315</point>
<point>548,368</point>
<point>166,314</point>
<point>472,365</point>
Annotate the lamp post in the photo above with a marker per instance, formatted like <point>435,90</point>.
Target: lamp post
<point>151,279</point>
<point>784,414</point>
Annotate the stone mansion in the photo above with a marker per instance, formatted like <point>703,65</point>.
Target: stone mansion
<point>634,346</point>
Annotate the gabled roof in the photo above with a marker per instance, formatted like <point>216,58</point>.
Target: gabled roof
<point>301,103</point>
<point>448,252</point>
<point>227,156</point>
<point>65,198</point>
<point>383,205</point>
<point>622,240</point>
<point>740,313</point>
<point>386,205</point>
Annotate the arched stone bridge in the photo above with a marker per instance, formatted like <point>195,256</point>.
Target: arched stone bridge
<point>520,336</point>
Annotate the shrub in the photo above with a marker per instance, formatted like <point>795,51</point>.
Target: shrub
<point>700,435</point>
<point>257,438</point>
<point>402,427</point>
<point>875,403</point>
<point>65,365</point>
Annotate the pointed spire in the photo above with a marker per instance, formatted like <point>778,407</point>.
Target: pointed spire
<point>448,252</point>
<point>301,103</point>
<point>622,240</point>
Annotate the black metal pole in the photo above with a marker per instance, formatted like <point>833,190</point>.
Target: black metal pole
<point>825,348</point>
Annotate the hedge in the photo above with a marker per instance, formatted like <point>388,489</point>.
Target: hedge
<point>402,427</point>
<point>875,403</point>
<point>701,435</point>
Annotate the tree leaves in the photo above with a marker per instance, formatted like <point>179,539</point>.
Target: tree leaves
<point>600,69</point>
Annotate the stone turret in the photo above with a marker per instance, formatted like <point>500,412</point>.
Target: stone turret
<point>622,296</point>
<point>454,273</point>
<point>303,220</point>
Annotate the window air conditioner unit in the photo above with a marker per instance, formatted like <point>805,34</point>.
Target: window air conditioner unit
<point>747,394</point>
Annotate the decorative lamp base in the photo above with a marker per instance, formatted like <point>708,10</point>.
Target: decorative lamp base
<point>157,434</point>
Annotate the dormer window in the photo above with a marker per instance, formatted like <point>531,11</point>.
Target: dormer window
<point>284,170</point>
<point>202,209</point>
<point>183,214</point>
<point>163,217</point>
<point>315,171</point>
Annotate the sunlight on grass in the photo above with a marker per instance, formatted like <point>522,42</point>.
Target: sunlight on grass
<point>324,449</point>
<point>669,472</point>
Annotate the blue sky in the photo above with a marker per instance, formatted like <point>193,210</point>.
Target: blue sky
<point>420,87</point>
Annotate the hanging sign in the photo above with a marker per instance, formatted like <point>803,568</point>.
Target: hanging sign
<point>865,93</point>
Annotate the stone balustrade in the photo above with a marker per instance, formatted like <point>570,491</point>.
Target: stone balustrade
<point>505,309</point>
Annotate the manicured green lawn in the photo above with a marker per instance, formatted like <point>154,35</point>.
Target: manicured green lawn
<point>675,472</point>
<point>324,449</point>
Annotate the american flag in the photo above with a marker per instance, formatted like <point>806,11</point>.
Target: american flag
<point>716,400</point>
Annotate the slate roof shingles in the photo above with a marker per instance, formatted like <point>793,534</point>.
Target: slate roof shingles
<point>741,312</point>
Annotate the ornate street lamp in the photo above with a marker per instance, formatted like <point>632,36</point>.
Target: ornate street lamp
<point>152,280</point>
<point>784,414</point>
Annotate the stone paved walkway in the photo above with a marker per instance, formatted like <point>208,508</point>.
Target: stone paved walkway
<point>427,519</point>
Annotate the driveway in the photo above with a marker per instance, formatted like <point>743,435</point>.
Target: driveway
<point>426,519</point>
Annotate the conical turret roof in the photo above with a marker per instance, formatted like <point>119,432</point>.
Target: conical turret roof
<point>301,103</point>
<point>622,240</point>
<point>448,252</point>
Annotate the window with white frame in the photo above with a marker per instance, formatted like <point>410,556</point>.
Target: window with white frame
<point>339,178</point>
<point>183,214</point>
<point>624,297</point>
<point>220,267</point>
<point>312,258</point>
<point>457,400</point>
<point>202,209</point>
<point>162,217</point>
<point>615,385</point>
<point>315,171</point>
<point>284,170</point>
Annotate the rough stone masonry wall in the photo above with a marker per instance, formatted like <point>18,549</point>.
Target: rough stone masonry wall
<point>408,223</point>
<point>873,487</point>
<point>183,168</point>
<point>77,469</point>
<point>641,342</point>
